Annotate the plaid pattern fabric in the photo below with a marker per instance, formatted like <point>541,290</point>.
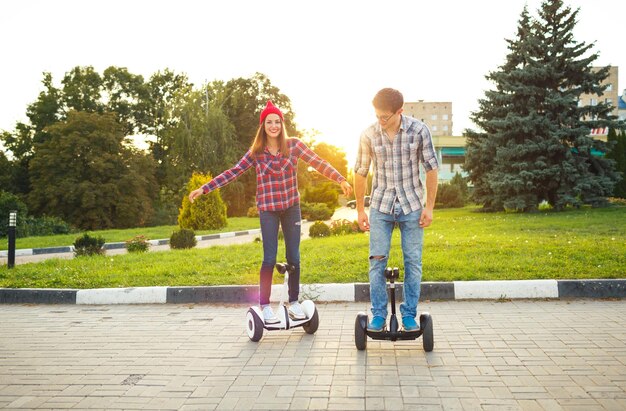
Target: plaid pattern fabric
<point>396,164</point>
<point>276,176</point>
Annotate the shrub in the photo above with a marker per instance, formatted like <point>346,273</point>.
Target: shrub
<point>34,226</point>
<point>208,212</point>
<point>253,212</point>
<point>449,196</point>
<point>137,244</point>
<point>461,182</point>
<point>87,245</point>
<point>183,238</point>
<point>342,227</point>
<point>319,229</point>
<point>315,211</point>
<point>325,193</point>
<point>10,202</point>
<point>617,201</point>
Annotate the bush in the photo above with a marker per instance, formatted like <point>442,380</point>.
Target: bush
<point>165,209</point>
<point>87,245</point>
<point>183,238</point>
<point>325,193</point>
<point>617,201</point>
<point>342,227</point>
<point>319,229</point>
<point>449,196</point>
<point>137,244</point>
<point>10,202</point>
<point>461,182</point>
<point>253,212</point>
<point>315,211</point>
<point>208,212</point>
<point>34,226</point>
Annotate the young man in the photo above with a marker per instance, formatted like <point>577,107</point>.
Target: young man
<point>396,145</point>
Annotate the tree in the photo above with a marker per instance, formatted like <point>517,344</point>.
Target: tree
<point>618,154</point>
<point>87,174</point>
<point>6,174</point>
<point>535,142</point>
<point>334,155</point>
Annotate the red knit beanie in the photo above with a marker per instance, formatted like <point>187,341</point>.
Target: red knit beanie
<point>270,109</point>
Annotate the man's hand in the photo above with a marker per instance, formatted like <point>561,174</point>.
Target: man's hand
<point>195,194</point>
<point>426,218</point>
<point>364,222</point>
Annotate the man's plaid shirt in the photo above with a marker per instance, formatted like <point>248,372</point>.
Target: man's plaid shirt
<point>396,164</point>
<point>276,176</point>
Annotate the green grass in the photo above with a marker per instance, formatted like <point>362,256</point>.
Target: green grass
<point>460,245</point>
<point>113,236</point>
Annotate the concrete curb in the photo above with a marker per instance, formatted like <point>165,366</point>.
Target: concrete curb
<point>120,245</point>
<point>351,292</point>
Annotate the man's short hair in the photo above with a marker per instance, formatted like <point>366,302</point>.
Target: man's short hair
<point>388,99</point>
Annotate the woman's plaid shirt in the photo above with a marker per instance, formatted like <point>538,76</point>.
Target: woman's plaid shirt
<point>276,176</point>
<point>396,164</point>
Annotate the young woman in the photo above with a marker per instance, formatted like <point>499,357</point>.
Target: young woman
<point>274,157</point>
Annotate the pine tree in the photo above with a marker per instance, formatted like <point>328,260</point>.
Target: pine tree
<point>617,153</point>
<point>536,145</point>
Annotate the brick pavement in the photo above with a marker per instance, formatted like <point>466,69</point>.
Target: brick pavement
<point>489,355</point>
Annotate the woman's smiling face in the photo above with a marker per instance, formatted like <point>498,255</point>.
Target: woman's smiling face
<point>273,125</point>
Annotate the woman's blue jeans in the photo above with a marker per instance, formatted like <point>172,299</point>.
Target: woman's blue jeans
<point>412,237</point>
<point>290,221</point>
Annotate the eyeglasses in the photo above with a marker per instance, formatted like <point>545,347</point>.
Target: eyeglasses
<point>385,118</point>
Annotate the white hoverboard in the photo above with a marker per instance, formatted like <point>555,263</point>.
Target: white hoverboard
<point>254,317</point>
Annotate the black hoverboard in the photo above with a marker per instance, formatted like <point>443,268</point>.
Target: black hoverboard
<point>393,333</point>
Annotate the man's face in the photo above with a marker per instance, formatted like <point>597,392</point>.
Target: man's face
<point>387,119</point>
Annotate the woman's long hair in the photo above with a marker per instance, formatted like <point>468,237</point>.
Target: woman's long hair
<point>260,141</point>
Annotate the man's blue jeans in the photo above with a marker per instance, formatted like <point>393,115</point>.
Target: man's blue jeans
<point>412,238</point>
<point>290,221</point>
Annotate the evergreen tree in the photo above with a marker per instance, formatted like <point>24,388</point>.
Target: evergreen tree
<point>536,143</point>
<point>618,154</point>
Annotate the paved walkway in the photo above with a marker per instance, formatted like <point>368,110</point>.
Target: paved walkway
<point>489,355</point>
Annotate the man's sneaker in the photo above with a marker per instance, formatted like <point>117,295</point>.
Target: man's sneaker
<point>268,315</point>
<point>377,324</point>
<point>295,311</point>
<point>410,324</point>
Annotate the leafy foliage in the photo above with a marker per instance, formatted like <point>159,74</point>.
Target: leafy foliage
<point>137,244</point>
<point>182,239</point>
<point>11,202</point>
<point>536,143</point>
<point>87,245</point>
<point>319,229</point>
<point>315,211</point>
<point>325,193</point>
<point>43,226</point>
<point>87,175</point>
<point>206,212</point>
<point>449,196</point>
<point>343,227</point>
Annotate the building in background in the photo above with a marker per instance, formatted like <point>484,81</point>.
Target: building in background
<point>621,106</point>
<point>610,95</point>
<point>438,116</point>
<point>450,149</point>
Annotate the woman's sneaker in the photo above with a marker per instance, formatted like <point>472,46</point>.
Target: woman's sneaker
<point>268,315</point>
<point>295,311</point>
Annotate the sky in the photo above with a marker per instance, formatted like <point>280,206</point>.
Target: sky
<point>328,57</point>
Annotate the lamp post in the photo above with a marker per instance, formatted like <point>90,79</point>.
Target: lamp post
<point>12,224</point>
